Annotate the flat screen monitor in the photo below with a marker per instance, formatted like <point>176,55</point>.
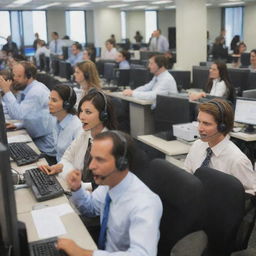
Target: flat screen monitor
<point>182,78</point>
<point>200,76</point>
<point>245,59</point>
<point>239,78</point>
<point>54,65</point>
<point>3,137</point>
<point>65,70</point>
<point>245,113</point>
<point>29,51</point>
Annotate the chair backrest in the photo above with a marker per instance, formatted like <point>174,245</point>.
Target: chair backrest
<point>181,195</point>
<point>249,93</point>
<point>109,70</point>
<point>224,200</point>
<point>181,77</point>
<point>139,77</point>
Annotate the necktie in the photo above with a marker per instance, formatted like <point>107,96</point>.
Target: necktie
<point>55,49</point>
<point>87,159</point>
<point>207,159</point>
<point>103,229</point>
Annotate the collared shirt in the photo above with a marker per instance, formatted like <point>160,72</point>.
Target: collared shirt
<point>162,84</point>
<point>124,65</point>
<point>39,51</point>
<point>65,132</point>
<point>52,47</point>
<point>252,69</point>
<point>219,88</point>
<point>134,216</point>
<point>159,44</point>
<point>227,158</point>
<point>33,111</point>
<point>110,55</point>
<point>74,59</point>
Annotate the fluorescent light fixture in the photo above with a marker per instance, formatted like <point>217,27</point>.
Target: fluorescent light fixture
<point>230,4</point>
<point>170,7</point>
<point>78,4</point>
<point>21,2</point>
<point>47,5</point>
<point>118,5</point>
<point>140,7</point>
<point>162,2</point>
<point>130,1</point>
<point>233,0</point>
<point>98,1</point>
<point>152,7</point>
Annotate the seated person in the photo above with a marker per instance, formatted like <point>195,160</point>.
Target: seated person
<point>214,149</point>
<point>218,85</point>
<point>41,49</point>
<point>162,82</point>
<point>67,124</point>
<point>111,52</point>
<point>77,54</point>
<point>219,50</point>
<point>240,49</point>
<point>129,210</point>
<point>96,114</point>
<point>86,55</point>
<point>32,107</point>
<point>252,67</point>
<point>123,59</point>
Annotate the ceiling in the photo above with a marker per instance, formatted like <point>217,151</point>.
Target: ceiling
<point>91,4</point>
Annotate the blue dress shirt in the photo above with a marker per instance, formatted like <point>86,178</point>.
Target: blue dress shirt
<point>33,111</point>
<point>124,65</point>
<point>134,216</point>
<point>73,59</point>
<point>55,47</point>
<point>65,132</point>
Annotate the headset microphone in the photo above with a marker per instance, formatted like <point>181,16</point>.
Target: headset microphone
<point>106,176</point>
<point>208,136</point>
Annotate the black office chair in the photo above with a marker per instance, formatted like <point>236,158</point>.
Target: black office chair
<point>181,194</point>
<point>224,200</point>
<point>139,77</point>
<point>122,77</point>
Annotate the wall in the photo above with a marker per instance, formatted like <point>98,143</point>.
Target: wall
<point>166,19</point>
<point>90,26</point>
<point>135,20</point>
<point>249,26</point>
<point>56,22</point>
<point>213,22</point>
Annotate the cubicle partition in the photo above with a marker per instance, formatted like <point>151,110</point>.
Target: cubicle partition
<point>200,76</point>
<point>182,78</point>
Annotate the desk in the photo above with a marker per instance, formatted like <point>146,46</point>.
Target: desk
<point>169,148</point>
<point>243,136</point>
<point>25,201</point>
<point>141,118</point>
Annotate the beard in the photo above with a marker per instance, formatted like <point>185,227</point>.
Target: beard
<point>17,86</point>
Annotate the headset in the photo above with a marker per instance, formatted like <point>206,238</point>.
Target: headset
<point>221,127</point>
<point>67,105</point>
<point>86,73</point>
<point>103,115</point>
<point>122,161</point>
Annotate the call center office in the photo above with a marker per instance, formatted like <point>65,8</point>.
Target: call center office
<point>58,30</point>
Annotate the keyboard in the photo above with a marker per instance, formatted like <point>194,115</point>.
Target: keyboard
<point>44,187</point>
<point>22,154</point>
<point>45,247</point>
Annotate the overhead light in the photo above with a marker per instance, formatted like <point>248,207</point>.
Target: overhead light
<point>21,2</point>
<point>130,0</point>
<point>233,0</point>
<point>207,5</point>
<point>140,7</point>
<point>170,7</point>
<point>152,7</point>
<point>230,4</point>
<point>118,5</point>
<point>162,2</point>
<point>98,1</point>
<point>78,4</point>
<point>47,5</point>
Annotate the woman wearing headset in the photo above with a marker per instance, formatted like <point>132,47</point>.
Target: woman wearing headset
<point>96,114</point>
<point>61,105</point>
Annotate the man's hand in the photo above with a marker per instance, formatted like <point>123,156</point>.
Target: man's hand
<point>10,126</point>
<point>74,179</point>
<point>5,85</point>
<point>50,170</point>
<point>71,248</point>
<point>128,92</point>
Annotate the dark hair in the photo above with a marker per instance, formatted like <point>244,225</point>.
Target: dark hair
<point>29,68</point>
<point>160,60</point>
<point>111,41</point>
<point>55,33</point>
<point>234,42</point>
<point>99,103</point>
<point>77,45</point>
<point>253,51</point>
<point>119,147</point>
<point>223,71</point>
<point>126,55</point>
<point>66,94</point>
<point>224,114</point>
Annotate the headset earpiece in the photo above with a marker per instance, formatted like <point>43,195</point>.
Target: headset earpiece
<point>221,125</point>
<point>86,76</point>
<point>67,105</point>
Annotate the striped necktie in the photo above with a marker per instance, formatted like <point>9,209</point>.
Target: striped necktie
<point>207,159</point>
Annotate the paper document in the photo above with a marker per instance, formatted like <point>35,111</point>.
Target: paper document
<point>19,138</point>
<point>47,220</point>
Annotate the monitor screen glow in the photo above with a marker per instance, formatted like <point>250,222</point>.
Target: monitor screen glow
<point>245,111</point>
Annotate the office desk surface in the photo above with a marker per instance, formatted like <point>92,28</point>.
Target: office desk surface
<point>243,136</point>
<point>171,148</point>
<point>129,98</point>
<point>74,226</point>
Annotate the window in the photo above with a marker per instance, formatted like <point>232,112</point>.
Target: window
<point>150,23</point>
<point>233,23</point>
<point>123,25</point>
<point>75,24</point>
<point>33,21</point>
<point>5,30</point>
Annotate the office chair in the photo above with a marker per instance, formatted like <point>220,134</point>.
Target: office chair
<point>249,93</point>
<point>139,77</point>
<point>108,73</point>
<point>251,81</point>
<point>122,77</point>
<point>224,201</point>
<point>181,194</point>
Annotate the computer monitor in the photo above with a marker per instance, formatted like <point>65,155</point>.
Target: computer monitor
<point>139,76</point>
<point>245,59</point>
<point>54,65</point>
<point>3,137</point>
<point>29,51</point>
<point>170,109</point>
<point>245,113</point>
<point>200,76</point>
<point>182,78</point>
<point>9,238</point>
<point>251,81</point>
<point>65,70</point>
<point>239,78</point>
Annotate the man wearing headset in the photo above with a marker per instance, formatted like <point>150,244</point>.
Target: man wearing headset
<point>214,149</point>
<point>130,212</point>
<point>32,107</point>
<point>162,82</point>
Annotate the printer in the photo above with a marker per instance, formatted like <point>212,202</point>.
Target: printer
<point>186,131</point>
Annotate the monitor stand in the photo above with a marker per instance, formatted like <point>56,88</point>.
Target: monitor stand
<point>249,129</point>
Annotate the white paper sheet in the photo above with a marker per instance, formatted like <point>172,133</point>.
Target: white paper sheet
<point>19,138</point>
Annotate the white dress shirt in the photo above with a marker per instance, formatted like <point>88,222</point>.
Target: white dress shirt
<point>110,55</point>
<point>227,158</point>
<point>134,216</point>
<point>162,84</point>
<point>159,44</point>
<point>39,51</point>
<point>65,132</point>
<point>219,88</point>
